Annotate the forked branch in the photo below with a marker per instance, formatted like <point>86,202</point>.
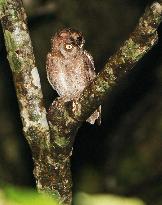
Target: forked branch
<point>52,147</point>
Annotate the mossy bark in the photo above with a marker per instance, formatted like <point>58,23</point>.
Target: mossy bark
<point>139,43</point>
<point>51,141</point>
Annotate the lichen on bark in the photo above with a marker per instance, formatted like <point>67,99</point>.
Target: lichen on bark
<point>26,77</point>
<point>52,141</point>
<point>139,43</point>
<point>22,62</point>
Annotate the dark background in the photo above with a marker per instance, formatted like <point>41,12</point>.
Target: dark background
<point>124,154</point>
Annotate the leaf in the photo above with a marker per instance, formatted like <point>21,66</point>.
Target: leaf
<point>101,199</point>
<point>17,196</point>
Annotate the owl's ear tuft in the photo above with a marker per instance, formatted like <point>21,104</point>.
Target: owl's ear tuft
<point>79,39</point>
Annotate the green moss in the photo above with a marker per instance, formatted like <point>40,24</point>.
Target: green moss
<point>132,51</point>
<point>2,7</point>
<point>15,63</point>
<point>10,43</point>
<point>2,3</point>
<point>11,46</point>
<point>35,117</point>
<point>102,85</point>
<point>61,141</point>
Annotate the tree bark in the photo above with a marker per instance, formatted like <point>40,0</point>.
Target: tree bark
<point>52,147</point>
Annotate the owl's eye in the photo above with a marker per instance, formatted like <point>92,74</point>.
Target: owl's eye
<point>68,46</point>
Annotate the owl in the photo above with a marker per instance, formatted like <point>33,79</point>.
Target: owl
<point>70,68</point>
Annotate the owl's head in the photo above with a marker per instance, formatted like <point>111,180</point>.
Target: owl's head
<point>68,42</point>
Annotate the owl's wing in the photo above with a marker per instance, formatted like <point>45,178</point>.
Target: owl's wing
<point>52,72</point>
<point>89,66</point>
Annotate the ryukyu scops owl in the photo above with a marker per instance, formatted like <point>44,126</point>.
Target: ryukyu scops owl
<point>70,68</point>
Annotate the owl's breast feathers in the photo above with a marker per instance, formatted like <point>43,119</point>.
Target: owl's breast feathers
<point>70,76</point>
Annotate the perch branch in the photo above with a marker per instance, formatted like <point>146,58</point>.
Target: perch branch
<point>139,43</point>
<point>51,153</point>
<point>66,117</point>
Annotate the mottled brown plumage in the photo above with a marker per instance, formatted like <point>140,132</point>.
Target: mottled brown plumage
<point>69,67</point>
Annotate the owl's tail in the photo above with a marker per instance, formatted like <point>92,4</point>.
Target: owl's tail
<point>95,117</point>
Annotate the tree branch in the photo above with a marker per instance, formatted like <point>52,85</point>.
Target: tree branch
<point>139,43</point>
<point>51,152</point>
<point>66,117</point>
<point>69,115</point>
<point>25,73</point>
<point>51,167</point>
<point>26,79</point>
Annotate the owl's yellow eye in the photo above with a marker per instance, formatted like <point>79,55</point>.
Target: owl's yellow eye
<point>68,46</point>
